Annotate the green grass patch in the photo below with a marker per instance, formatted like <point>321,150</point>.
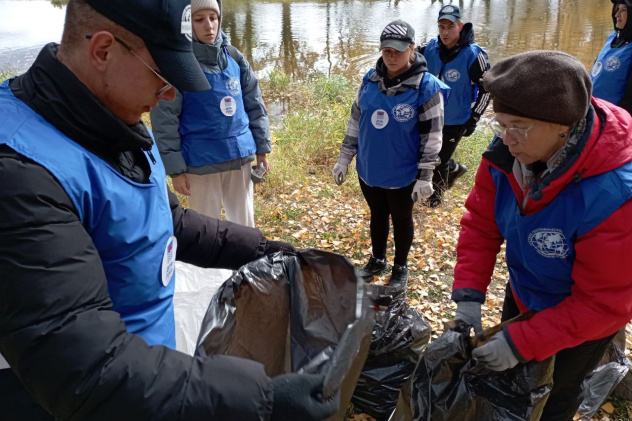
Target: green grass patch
<point>277,81</point>
<point>7,73</point>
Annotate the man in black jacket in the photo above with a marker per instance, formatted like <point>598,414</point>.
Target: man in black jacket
<point>89,234</point>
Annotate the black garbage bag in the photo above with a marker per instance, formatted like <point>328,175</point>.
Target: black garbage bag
<point>449,385</point>
<point>307,313</point>
<point>399,335</point>
<point>600,382</point>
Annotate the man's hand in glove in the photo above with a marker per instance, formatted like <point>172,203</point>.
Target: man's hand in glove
<point>496,353</point>
<point>470,313</point>
<point>340,173</point>
<point>422,190</point>
<point>469,127</point>
<point>299,397</point>
<point>274,246</point>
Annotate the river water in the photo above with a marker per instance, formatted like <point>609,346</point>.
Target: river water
<point>342,37</point>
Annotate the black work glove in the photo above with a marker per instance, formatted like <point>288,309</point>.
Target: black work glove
<point>274,246</point>
<point>299,397</point>
<point>469,127</point>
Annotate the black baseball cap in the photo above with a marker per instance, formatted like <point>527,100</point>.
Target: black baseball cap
<point>398,35</point>
<point>165,27</point>
<point>450,12</point>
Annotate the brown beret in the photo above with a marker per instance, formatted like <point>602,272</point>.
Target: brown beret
<point>543,85</point>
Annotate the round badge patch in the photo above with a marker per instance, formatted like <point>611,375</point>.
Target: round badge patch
<point>379,119</point>
<point>185,25</point>
<point>596,69</point>
<point>228,106</point>
<point>169,261</point>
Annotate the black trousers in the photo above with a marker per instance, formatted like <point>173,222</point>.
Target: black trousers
<point>571,366</point>
<point>15,402</point>
<point>451,138</point>
<point>398,205</point>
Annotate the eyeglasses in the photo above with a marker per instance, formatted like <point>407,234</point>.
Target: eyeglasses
<point>519,134</point>
<point>162,90</point>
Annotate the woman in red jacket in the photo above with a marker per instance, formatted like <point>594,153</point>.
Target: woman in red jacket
<point>555,184</point>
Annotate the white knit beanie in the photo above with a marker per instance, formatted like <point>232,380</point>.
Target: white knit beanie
<point>197,5</point>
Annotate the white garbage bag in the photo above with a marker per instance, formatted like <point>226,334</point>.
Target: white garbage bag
<point>194,289</point>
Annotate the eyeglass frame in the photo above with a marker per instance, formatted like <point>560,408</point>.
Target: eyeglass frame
<point>522,130</point>
<point>160,91</point>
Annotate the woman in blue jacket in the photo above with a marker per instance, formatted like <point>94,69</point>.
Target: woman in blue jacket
<point>208,140</point>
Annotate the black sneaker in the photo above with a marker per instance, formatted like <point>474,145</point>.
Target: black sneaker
<point>374,267</point>
<point>435,199</point>
<point>399,277</point>
<point>456,173</point>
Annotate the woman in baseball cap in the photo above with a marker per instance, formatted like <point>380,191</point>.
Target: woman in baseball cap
<point>395,131</point>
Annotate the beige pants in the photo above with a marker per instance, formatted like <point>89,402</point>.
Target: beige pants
<point>233,189</point>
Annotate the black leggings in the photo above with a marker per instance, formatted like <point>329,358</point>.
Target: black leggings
<point>451,138</point>
<point>571,366</point>
<point>397,204</point>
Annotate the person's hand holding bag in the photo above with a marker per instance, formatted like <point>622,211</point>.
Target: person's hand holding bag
<point>299,397</point>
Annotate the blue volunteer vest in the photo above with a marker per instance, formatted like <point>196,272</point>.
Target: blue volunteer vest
<point>388,139</point>
<point>214,126</point>
<point>455,74</point>
<point>541,247</point>
<point>610,72</point>
<point>130,223</point>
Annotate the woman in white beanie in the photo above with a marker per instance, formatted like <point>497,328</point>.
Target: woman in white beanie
<point>208,140</point>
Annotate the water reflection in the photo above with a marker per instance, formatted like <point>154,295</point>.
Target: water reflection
<point>342,37</point>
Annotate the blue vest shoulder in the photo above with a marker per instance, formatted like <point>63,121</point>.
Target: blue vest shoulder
<point>610,72</point>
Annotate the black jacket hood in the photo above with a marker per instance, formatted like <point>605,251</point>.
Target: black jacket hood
<point>623,35</point>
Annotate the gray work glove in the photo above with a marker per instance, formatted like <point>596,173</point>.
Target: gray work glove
<point>422,190</point>
<point>470,313</point>
<point>496,353</point>
<point>340,173</point>
<point>299,397</point>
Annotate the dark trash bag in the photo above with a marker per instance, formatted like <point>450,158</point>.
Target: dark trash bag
<point>599,383</point>
<point>449,385</point>
<point>399,334</point>
<point>307,313</point>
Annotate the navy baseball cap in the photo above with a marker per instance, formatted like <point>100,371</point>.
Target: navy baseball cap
<point>450,12</point>
<point>398,35</point>
<point>165,27</point>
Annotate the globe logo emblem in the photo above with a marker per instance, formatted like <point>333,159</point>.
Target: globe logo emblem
<point>452,75</point>
<point>549,242</point>
<point>403,112</point>
<point>612,64</point>
<point>233,86</point>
